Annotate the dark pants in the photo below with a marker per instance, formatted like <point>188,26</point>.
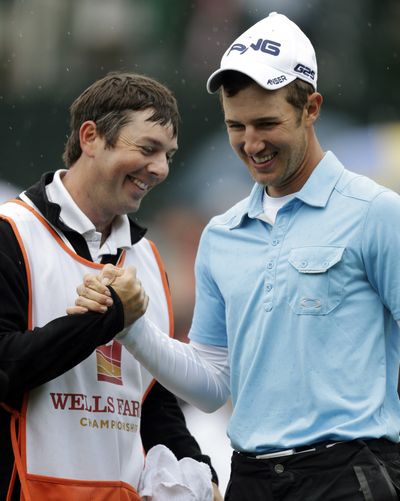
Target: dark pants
<point>349,471</point>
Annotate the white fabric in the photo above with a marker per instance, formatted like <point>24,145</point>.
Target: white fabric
<point>85,424</point>
<point>273,52</point>
<point>164,477</point>
<point>271,206</point>
<point>197,373</point>
<point>72,216</point>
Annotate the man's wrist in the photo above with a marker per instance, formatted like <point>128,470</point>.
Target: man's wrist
<point>131,331</point>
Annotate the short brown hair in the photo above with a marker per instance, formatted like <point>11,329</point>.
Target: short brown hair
<point>297,91</point>
<point>109,103</point>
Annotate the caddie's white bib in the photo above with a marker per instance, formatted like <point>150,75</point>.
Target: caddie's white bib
<point>81,431</point>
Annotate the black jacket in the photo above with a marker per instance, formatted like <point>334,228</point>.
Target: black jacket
<point>31,358</point>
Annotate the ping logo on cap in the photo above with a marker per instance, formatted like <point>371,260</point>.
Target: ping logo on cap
<point>267,46</point>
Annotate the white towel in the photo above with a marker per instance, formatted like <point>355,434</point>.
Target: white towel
<point>164,478</point>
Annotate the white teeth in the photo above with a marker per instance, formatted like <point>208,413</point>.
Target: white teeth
<point>140,184</point>
<point>266,158</point>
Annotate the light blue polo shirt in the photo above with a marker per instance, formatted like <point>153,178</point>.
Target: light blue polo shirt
<point>308,308</point>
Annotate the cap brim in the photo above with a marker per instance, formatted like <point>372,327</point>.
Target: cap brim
<point>265,76</point>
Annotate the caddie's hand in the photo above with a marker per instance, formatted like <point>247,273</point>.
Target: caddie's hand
<point>109,273</point>
<point>93,294</point>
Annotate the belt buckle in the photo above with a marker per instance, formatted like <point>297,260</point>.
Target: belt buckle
<point>286,452</point>
<point>291,452</point>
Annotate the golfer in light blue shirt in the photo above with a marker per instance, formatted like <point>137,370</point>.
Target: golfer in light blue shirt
<point>297,296</point>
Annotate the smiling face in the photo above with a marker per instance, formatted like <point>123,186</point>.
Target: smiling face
<point>275,140</point>
<point>113,181</point>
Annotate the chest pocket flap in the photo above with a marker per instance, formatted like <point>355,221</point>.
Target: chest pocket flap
<point>315,259</point>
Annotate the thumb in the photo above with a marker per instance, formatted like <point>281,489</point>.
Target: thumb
<point>109,273</point>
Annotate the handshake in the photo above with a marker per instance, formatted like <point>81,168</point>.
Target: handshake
<point>94,295</point>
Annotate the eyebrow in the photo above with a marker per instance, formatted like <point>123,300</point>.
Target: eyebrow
<point>153,142</point>
<point>256,121</point>
<point>157,143</point>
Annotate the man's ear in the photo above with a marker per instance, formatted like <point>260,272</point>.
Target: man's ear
<point>87,137</point>
<point>313,107</point>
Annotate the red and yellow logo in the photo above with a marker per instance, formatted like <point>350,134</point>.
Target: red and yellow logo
<point>109,363</point>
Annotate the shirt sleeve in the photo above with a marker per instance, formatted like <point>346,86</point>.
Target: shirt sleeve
<point>199,374</point>
<point>208,324</point>
<point>30,358</point>
<point>381,247</point>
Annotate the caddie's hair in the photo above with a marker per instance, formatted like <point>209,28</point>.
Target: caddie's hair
<point>297,91</point>
<point>109,103</point>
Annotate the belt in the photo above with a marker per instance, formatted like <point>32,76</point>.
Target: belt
<point>291,452</point>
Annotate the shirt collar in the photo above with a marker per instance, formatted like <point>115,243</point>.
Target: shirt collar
<point>70,214</point>
<point>316,191</point>
<point>320,185</point>
<point>54,212</point>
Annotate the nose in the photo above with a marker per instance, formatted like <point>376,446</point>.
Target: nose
<point>158,167</point>
<point>252,142</point>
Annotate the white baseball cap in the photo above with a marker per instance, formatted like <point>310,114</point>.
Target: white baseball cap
<point>273,52</point>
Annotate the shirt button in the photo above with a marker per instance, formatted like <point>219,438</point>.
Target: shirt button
<point>268,306</point>
<point>304,264</point>
<point>279,468</point>
<point>275,242</point>
<point>270,265</point>
<point>268,287</point>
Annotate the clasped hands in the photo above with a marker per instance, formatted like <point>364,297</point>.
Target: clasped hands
<point>94,295</point>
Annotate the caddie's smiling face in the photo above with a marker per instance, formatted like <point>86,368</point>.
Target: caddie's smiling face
<point>139,161</point>
<point>271,137</point>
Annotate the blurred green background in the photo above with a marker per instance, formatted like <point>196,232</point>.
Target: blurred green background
<point>52,49</point>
